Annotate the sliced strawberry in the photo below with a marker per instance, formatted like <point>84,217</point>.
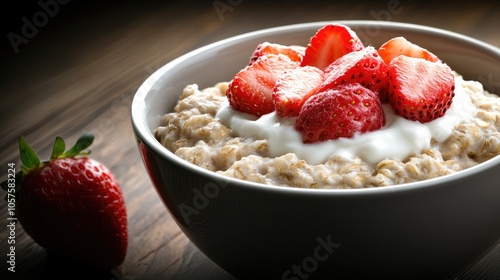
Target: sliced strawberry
<point>364,66</point>
<point>294,88</point>
<point>251,89</point>
<point>400,46</point>
<point>419,89</point>
<point>341,112</point>
<point>294,52</point>
<point>329,43</point>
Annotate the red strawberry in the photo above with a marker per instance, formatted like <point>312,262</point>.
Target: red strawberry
<point>294,52</point>
<point>329,43</point>
<point>400,46</point>
<point>419,89</point>
<point>341,112</point>
<point>72,205</point>
<point>364,66</point>
<point>294,88</point>
<point>251,89</point>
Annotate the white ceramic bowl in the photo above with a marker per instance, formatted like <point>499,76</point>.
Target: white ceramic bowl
<point>429,229</point>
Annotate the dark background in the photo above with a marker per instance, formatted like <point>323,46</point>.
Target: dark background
<point>80,72</point>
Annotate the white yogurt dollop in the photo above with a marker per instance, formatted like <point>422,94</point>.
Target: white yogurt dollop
<point>396,140</point>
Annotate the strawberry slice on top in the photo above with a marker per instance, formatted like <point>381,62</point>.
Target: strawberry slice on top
<point>401,46</point>
<point>364,66</point>
<point>294,52</point>
<point>419,89</point>
<point>251,89</point>
<point>294,88</point>
<point>329,43</point>
<point>344,111</point>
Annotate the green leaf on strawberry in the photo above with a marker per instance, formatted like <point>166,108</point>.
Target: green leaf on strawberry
<point>74,196</point>
<point>29,158</point>
<point>58,149</point>
<point>79,148</point>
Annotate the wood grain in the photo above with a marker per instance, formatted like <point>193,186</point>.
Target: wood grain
<point>81,70</point>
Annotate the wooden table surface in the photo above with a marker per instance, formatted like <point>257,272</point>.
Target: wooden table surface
<point>79,68</point>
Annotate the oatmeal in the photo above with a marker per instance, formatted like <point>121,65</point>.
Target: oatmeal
<point>336,114</point>
<point>195,133</point>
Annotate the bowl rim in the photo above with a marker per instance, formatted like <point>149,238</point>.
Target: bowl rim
<point>142,131</point>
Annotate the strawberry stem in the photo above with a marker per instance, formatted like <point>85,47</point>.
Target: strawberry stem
<point>31,161</point>
<point>29,158</point>
<point>58,149</point>
<point>79,148</point>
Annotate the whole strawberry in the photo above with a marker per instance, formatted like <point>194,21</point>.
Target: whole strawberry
<point>344,111</point>
<point>72,205</point>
